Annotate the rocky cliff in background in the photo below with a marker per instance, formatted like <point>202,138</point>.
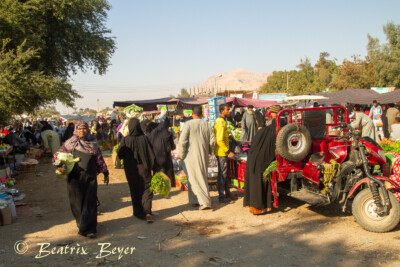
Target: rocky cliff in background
<point>236,80</point>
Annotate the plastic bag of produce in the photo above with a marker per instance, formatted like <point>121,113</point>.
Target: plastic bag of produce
<point>66,160</point>
<point>161,184</point>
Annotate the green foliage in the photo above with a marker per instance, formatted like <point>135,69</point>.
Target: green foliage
<point>85,112</point>
<point>380,68</point>
<point>267,172</point>
<point>42,43</point>
<point>356,74</point>
<point>160,185</point>
<point>47,111</point>
<point>385,58</point>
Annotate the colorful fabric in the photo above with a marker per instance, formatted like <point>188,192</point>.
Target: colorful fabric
<point>396,176</point>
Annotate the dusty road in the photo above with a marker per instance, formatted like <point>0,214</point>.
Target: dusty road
<point>293,235</point>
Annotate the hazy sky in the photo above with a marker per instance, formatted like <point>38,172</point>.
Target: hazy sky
<point>166,45</point>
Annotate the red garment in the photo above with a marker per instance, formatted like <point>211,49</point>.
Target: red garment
<point>396,175</point>
<point>5,132</point>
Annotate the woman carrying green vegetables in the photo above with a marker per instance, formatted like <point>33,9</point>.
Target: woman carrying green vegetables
<point>139,161</point>
<point>82,180</point>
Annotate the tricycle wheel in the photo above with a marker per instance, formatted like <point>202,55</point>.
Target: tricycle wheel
<point>293,142</point>
<point>363,209</point>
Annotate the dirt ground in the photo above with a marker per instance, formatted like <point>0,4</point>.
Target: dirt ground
<point>296,234</point>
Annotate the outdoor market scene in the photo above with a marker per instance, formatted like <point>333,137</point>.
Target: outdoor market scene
<point>297,167</point>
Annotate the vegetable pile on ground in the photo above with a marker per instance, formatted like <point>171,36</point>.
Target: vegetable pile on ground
<point>67,161</point>
<point>161,184</point>
<point>235,132</point>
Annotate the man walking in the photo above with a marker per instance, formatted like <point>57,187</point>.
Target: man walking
<point>195,144</point>
<point>222,152</point>
<point>375,114</point>
<point>249,125</point>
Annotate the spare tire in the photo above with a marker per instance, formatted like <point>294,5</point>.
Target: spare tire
<point>293,142</point>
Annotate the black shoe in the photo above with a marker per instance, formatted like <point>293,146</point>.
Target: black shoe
<point>91,235</point>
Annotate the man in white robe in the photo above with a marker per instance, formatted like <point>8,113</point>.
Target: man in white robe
<point>195,144</point>
<point>362,120</point>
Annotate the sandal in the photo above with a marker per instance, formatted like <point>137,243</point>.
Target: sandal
<point>149,219</point>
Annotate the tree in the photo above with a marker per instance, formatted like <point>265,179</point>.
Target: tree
<point>356,74</point>
<point>184,93</point>
<point>86,112</point>
<point>47,111</point>
<point>105,110</point>
<point>306,69</point>
<point>385,58</point>
<point>43,42</point>
<point>323,72</point>
<point>276,83</point>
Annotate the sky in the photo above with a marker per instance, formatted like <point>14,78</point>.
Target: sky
<point>166,45</point>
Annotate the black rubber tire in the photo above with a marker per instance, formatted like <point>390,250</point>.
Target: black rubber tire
<point>289,152</point>
<point>383,225</point>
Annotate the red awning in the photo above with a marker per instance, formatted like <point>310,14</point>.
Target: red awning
<point>244,102</point>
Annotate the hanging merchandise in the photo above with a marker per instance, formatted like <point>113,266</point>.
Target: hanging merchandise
<point>213,108</point>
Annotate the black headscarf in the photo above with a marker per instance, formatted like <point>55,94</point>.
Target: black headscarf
<point>144,124</point>
<point>69,132</point>
<point>136,142</point>
<point>257,193</point>
<point>151,127</point>
<point>46,126</point>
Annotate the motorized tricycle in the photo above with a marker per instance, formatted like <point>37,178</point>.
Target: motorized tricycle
<point>322,160</point>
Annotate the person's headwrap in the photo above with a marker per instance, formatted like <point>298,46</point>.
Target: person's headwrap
<point>275,108</point>
<point>87,144</point>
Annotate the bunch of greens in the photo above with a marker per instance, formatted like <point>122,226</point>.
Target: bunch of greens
<point>116,151</point>
<point>65,160</point>
<point>160,184</point>
<point>232,130</point>
<point>133,109</point>
<point>116,148</point>
<point>272,167</point>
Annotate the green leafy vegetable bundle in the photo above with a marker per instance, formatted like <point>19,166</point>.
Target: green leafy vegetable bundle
<point>67,161</point>
<point>133,111</point>
<point>161,184</point>
<point>272,167</point>
<point>232,130</point>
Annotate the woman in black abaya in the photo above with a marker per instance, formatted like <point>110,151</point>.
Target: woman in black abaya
<point>139,161</point>
<point>257,192</point>
<point>163,143</point>
<point>82,180</point>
